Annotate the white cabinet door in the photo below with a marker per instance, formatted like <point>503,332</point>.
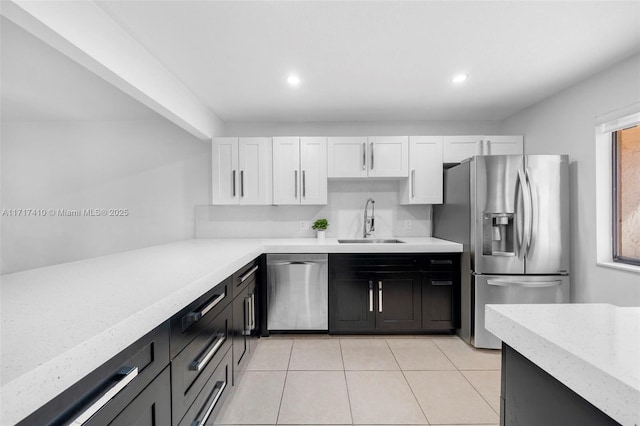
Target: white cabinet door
<point>457,148</point>
<point>313,168</point>
<point>347,157</point>
<point>388,156</point>
<point>286,170</point>
<point>255,165</point>
<point>224,165</point>
<point>424,185</point>
<point>503,145</point>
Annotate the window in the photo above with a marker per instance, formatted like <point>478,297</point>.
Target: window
<point>626,195</point>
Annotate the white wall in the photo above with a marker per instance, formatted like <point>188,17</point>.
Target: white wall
<point>153,168</point>
<point>363,128</point>
<point>565,124</point>
<point>344,211</point>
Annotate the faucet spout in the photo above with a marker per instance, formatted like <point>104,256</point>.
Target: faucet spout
<point>369,220</point>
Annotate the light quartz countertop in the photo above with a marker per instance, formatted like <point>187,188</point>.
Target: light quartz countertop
<point>61,322</point>
<point>593,349</point>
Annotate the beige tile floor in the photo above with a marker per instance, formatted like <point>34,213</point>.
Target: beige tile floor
<point>364,380</point>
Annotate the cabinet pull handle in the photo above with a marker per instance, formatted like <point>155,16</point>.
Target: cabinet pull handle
<point>304,184</point>
<point>220,385</point>
<point>192,317</point>
<point>438,282</point>
<point>246,327</point>
<point>233,179</point>
<point>413,183</point>
<point>242,183</point>
<point>252,312</point>
<point>370,296</point>
<point>487,145</point>
<point>128,374</point>
<point>441,262</point>
<point>295,184</point>
<point>248,274</point>
<point>199,364</point>
<point>371,155</point>
<point>379,296</point>
<point>364,156</point>
<point>479,143</point>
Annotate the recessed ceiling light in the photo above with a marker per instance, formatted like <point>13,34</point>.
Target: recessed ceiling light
<point>293,80</point>
<point>459,78</point>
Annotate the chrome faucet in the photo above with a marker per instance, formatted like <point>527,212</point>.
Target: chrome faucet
<point>369,220</point>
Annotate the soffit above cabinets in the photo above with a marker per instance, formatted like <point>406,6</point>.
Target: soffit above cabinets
<point>384,60</point>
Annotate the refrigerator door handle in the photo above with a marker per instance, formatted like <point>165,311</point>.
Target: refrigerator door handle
<point>533,206</point>
<point>523,242</point>
<point>532,284</point>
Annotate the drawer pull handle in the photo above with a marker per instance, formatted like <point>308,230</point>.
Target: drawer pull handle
<point>441,282</point>
<point>220,385</point>
<point>197,316</point>
<point>128,374</point>
<point>248,274</point>
<point>441,262</point>
<point>199,364</point>
<point>532,284</point>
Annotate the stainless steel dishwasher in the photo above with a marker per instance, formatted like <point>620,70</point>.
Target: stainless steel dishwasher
<point>297,292</point>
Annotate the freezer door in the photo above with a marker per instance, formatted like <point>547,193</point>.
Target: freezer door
<point>497,218</point>
<point>500,289</point>
<point>548,180</point>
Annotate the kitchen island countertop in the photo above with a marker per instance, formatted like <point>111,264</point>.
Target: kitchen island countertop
<point>61,322</point>
<point>593,349</point>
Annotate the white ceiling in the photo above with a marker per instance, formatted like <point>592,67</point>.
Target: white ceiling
<point>41,84</point>
<point>379,60</point>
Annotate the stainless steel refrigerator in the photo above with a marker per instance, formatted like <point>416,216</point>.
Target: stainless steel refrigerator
<point>511,214</point>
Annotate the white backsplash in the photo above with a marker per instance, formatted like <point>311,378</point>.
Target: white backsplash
<point>344,212</point>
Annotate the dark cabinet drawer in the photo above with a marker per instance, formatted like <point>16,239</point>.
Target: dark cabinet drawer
<point>440,300</point>
<point>105,392</point>
<point>245,275</point>
<point>441,262</point>
<point>191,369</point>
<point>195,318</point>
<point>210,400</point>
<point>151,407</point>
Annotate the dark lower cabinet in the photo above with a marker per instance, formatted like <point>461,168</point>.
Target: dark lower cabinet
<point>244,327</point>
<point>150,408</point>
<point>530,396</point>
<point>440,296</point>
<point>370,293</point>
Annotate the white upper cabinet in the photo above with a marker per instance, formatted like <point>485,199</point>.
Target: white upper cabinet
<point>300,170</point>
<point>347,157</point>
<point>241,171</point>
<point>457,148</point>
<point>503,145</point>
<point>388,156</point>
<point>385,156</point>
<point>424,185</point>
<point>313,168</point>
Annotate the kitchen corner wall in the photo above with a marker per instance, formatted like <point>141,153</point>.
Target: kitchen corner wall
<point>344,211</point>
<point>151,167</point>
<point>565,124</point>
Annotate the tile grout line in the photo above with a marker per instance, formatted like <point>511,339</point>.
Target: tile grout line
<point>346,383</point>
<point>465,377</point>
<point>284,385</point>
<point>407,382</point>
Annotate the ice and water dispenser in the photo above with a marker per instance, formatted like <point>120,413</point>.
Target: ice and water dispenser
<point>498,234</point>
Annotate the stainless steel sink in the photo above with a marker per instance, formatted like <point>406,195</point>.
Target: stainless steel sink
<point>370,241</point>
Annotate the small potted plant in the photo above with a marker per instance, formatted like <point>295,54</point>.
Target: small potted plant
<point>321,226</point>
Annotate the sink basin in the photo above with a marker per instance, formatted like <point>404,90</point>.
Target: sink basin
<point>370,241</point>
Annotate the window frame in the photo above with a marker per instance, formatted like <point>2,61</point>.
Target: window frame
<point>615,202</point>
